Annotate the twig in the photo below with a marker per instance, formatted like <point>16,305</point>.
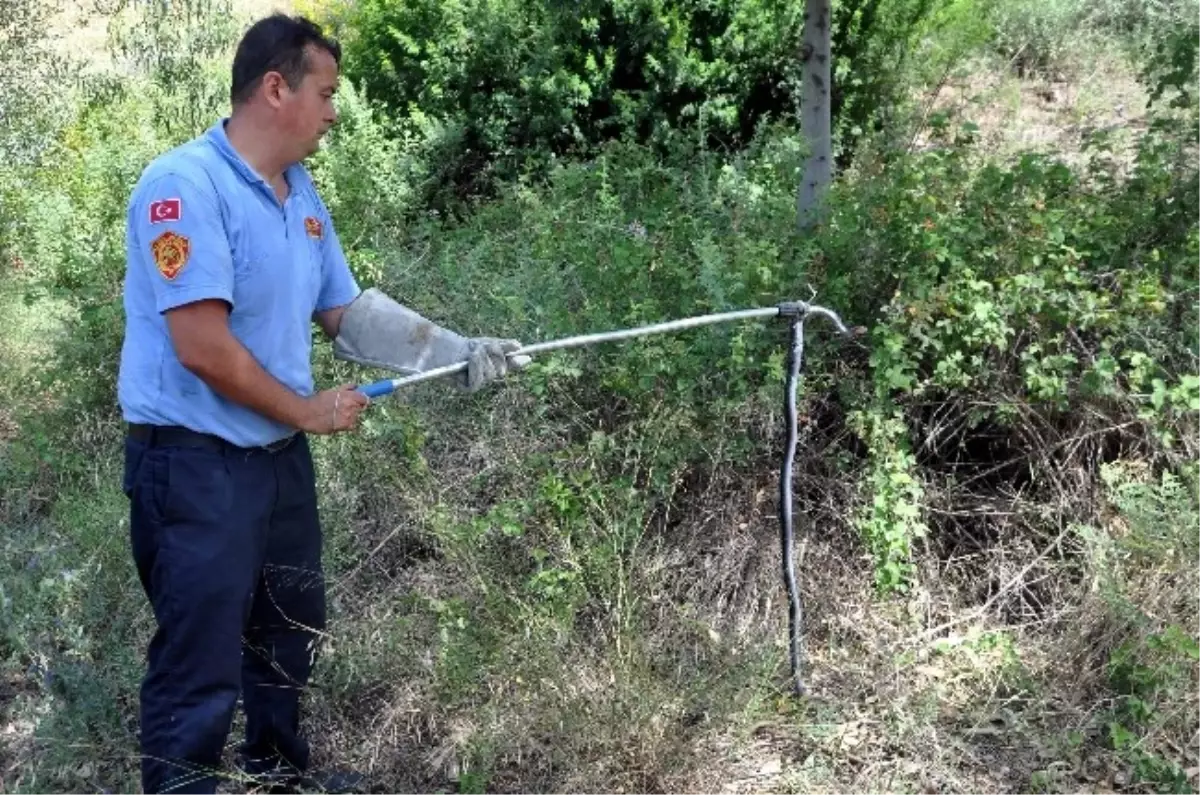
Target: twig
<point>1008,586</point>
<point>345,579</point>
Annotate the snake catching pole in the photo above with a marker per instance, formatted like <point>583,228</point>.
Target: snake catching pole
<point>795,313</point>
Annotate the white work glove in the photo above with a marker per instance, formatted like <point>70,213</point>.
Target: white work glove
<point>379,332</point>
<point>488,360</point>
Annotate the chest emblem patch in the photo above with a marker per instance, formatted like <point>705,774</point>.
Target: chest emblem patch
<point>313,227</point>
<point>171,251</point>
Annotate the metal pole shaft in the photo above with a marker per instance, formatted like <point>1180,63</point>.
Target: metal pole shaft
<point>386,386</point>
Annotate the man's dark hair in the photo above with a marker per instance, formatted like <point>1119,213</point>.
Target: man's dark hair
<point>276,43</point>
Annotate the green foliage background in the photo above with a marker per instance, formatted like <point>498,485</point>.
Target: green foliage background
<point>509,86</point>
<point>544,573</point>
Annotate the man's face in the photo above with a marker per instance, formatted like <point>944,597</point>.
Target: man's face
<point>308,112</point>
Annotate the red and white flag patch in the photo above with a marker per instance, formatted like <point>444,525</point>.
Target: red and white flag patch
<point>165,210</point>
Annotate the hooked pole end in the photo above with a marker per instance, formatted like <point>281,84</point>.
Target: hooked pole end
<point>798,310</point>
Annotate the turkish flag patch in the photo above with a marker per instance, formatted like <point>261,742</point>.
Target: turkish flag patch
<point>165,210</point>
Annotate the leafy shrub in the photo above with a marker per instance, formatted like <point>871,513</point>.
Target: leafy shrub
<point>73,200</point>
<point>1142,567</point>
<point>183,51</point>
<point>1048,37</point>
<point>517,84</point>
<point>1170,62</point>
<point>373,182</point>
<point>1037,36</point>
<point>877,48</point>
<point>999,291</point>
<point>628,239</point>
<point>1015,291</point>
<point>32,107</point>
<point>73,239</point>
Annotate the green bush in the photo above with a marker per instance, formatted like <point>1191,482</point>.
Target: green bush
<point>1031,321</point>
<point>1015,291</point>
<point>631,238</point>
<point>32,107</point>
<point>374,183</point>
<point>999,290</point>
<point>1143,568</point>
<point>1050,38</point>
<point>1169,57</point>
<point>516,84</point>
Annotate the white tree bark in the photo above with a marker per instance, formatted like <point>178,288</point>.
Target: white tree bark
<point>815,112</point>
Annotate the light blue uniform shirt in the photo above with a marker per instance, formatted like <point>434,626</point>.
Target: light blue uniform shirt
<point>203,224</point>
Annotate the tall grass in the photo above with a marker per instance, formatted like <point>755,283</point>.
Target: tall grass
<point>571,581</point>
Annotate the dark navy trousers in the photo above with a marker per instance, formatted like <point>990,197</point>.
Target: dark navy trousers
<point>227,544</point>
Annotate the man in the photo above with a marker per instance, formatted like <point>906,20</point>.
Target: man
<point>232,257</point>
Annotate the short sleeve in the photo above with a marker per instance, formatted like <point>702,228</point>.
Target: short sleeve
<point>181,244</point>
<point>338,285</point>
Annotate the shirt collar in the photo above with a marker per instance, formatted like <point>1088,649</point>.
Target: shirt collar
<point>219,140</point>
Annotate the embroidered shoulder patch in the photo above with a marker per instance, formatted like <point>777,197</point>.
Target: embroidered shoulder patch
<point>170,252</point>
<point>165,210</point>
<point>313,227</point>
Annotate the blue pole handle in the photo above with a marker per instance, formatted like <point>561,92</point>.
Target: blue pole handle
<point>378,389</point>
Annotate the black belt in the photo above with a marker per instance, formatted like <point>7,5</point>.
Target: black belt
<point>177,436</point>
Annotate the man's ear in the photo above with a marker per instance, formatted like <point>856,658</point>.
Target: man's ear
<point>274,87</point>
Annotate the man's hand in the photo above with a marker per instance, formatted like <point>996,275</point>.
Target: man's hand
<point>334,410</point>
<point>377,331</point>
<point>488,361</point>
<point>206,346</point>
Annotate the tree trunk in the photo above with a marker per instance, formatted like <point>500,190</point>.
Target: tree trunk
<point>814,113</point>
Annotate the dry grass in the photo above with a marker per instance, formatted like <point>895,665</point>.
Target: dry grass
<point>990,676</point>
<point>1052,113</point>
<point>991,705</point>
